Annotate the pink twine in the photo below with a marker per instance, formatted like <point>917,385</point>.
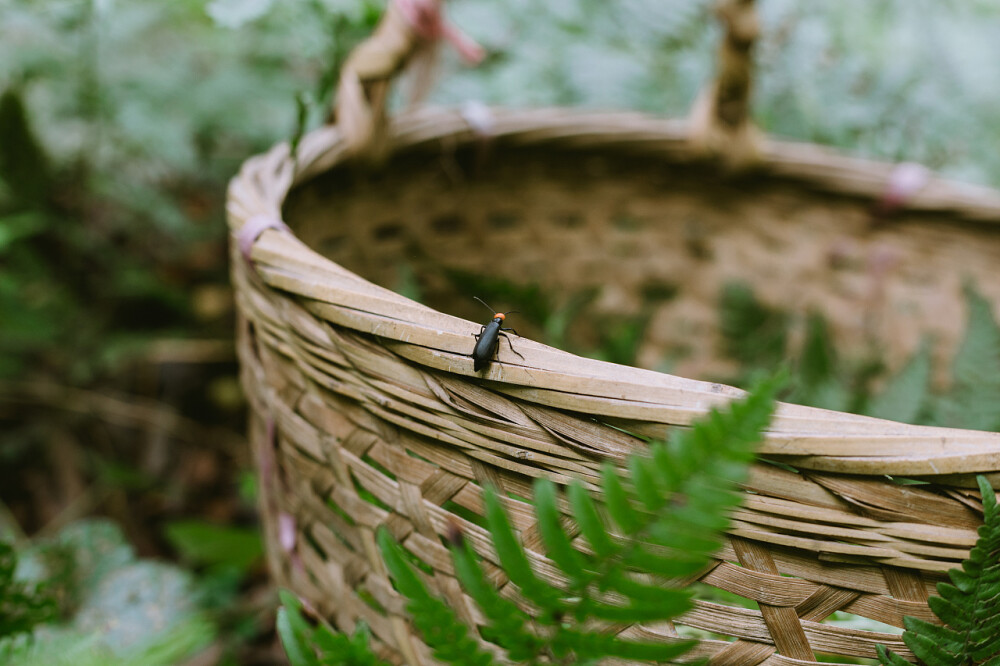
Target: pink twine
<point>427,20</point>
<point>905,181</point>
<point>286,531</point>
<point>479,117</point>
<point>287,538</point>
<point>252,230</point>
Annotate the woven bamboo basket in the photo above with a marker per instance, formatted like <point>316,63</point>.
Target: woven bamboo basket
<point>366,410</point>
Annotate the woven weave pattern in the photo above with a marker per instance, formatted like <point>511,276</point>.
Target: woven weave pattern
<point>366,409</point>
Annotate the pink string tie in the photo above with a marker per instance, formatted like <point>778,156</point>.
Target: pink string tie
<point>426,18</point>
<point>253,228</point>
<point>905,182</point>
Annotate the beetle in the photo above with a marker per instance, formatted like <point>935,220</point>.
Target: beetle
<point>488,339</point>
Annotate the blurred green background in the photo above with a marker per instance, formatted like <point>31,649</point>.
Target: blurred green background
<point>120,122</point>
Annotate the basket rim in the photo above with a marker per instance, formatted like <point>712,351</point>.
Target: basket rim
<point>828,169</point>
<point>808,437</point>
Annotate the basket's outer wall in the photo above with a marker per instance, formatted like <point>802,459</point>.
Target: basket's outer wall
<point>366,410</point>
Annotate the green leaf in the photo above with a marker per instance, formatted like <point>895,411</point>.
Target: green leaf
<point>405,578</point>
<point>14,228</point>
<point>302,641</point>
<point>207,543</point>
<point>927,650</point>
<point>508,623</point>
<point>970,609</point>
<point>589,522</point>
<point>675,565</point>
<point>88,551</point>
<point>178,644</point>
<point>646,488</point>
<point>442,630</point>
<point>754,334</point>
<point>294,632</point>
<point>512,556</point>
<point>619,507</point>
<point>952,614</point>
<point>127,611</point>
<point>557,544</point>
<point>947,638</point>
<point>832,394</point>
<point>905,395</point>
<point>667,470</point>
<point>661,651</point>
<point>972,401</point>
<point>818,359</point>
<point>889,658</point>
<point>978,357</point>
<point>673,601</point>
<point>23,162</point>
<point>989,500</point>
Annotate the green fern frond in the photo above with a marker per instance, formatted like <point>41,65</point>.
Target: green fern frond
<point>905,396</point>
<point>969,606</point>
<point>508,626</point>
<point>753,333</point>
<point>442,629</point>
<point>818,359</point>
<point>667,516</point>
<point>889,658</point>
<point>302,641</point>
<point>975,393</point>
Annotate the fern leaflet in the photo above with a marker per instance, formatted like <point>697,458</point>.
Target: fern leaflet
<point>969,606</point>
<point>302,641</point>
<point>975,392</point>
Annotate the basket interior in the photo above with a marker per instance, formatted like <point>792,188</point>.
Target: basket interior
<point>597,245</point>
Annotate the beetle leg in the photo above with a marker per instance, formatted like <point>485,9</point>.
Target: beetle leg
<point>507,338</point>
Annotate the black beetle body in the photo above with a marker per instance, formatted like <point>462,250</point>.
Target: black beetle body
<point>487,344</point>
<point>488,340</point>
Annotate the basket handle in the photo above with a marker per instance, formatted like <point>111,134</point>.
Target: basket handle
<point>407,30</point>
<point>720,125</point>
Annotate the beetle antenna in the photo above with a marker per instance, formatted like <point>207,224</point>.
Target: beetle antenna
<point>484,303</point>
<point>511,312</point>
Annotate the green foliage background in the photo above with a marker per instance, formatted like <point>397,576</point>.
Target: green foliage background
<point>757,336</point>
<point>122,610</point>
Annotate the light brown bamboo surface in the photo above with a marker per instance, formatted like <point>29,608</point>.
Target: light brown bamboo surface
<point>366,410</point>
